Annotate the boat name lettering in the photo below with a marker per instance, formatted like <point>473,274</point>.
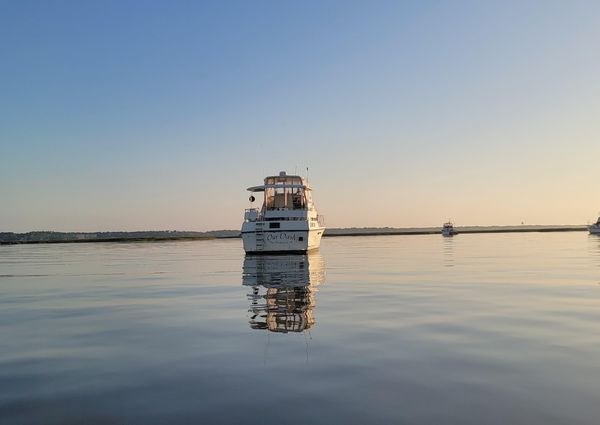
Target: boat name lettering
<point>280,237</point>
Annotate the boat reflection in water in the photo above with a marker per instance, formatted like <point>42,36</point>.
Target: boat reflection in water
<point>283,290</point>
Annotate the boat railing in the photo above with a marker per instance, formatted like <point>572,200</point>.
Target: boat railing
<point>254,214</point>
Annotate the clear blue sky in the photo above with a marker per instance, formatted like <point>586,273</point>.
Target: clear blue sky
<point>133,115</point>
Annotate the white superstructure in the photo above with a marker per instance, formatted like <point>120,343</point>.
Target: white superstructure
<point>595,228</point>
<point>287,221</point>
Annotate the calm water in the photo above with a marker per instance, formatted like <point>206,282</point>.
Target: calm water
<point>476,329</point>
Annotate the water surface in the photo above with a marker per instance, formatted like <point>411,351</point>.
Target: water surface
<point>491,328</point>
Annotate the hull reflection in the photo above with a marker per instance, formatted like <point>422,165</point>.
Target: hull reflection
<point>283,290</point>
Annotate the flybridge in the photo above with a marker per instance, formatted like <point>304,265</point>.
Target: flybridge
<point>285,194</point>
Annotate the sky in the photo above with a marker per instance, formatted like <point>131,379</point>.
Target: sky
<point>157,115</point>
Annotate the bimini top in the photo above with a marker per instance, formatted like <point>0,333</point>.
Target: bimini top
<point>282,181</point>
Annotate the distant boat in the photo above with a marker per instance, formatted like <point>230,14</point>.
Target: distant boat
<point>595,228</point>
<point>448,229</point>
<point>287,222</point>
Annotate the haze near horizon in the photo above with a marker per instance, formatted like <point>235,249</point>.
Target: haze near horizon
<point>143,116</point>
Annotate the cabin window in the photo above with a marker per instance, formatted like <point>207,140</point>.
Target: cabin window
<point>300,238</point>
<point>274,225</point>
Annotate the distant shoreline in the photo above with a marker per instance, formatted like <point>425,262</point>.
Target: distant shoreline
<point>459,230</point>
<point>165,239</point>
<point>9,238</point>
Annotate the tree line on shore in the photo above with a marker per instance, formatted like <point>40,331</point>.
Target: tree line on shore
<point>49,236</point>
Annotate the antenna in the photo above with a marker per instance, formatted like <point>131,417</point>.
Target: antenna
<point>306,173</point>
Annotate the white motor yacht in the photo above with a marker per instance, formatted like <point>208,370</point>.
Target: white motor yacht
<point>287,222</point>
<point>448,229</point>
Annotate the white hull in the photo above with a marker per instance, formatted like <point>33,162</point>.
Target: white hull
<point>281,240</point>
